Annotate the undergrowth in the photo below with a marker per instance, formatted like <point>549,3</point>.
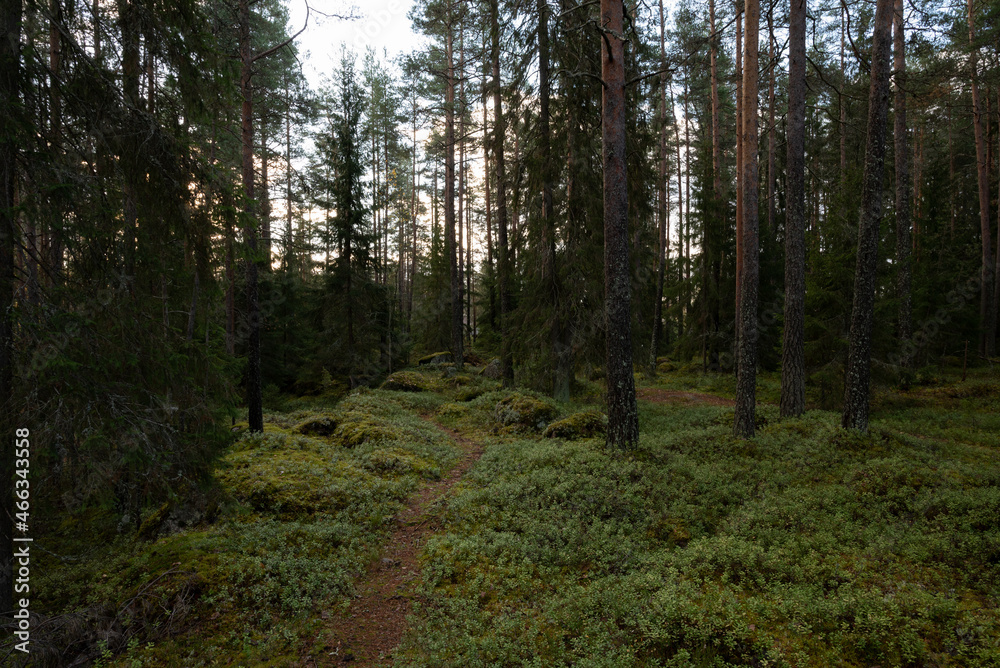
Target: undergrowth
<point>808,546</point>
<point>305,514</point>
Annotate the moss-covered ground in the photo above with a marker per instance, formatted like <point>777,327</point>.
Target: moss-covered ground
<point>808,546</point>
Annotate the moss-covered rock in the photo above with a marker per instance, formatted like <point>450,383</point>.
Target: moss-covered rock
<point>585,424</point>
<point>492,370</point>
<point>665,367</point>
<point>437,358</point>
<point>358,428</point>
<point>523,411</point>
<point>151,525</point>
<point>470,392</point>
<point>323,425</point>
<point>405,381</point>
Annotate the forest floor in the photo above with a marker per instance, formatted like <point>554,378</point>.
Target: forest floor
<point>449,522</point>
<point>367,633</point>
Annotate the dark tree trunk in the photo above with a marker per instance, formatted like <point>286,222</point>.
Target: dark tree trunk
<point>661,213</point>
<point>902,181</point>
<point>739,179</point>
<point>561,359</point>
<point>451,247</point>
<point>716,140</point>
<point>987,316</point>
<point>684,306</point>
<point>254,396</point>
<point>489,211</point>
<point>128,22</point>
<point>55,254</point>
<point>413,221</point>
<point>623,414</point>
<point>289,247</point>
<point>857,378</point>
<point>265,202</point>
<point>459,220</point>
<point>10,91</point>
<point>499,128</point>
<point>746,374</point>
<point>771,129</point>
<point>793,371</point>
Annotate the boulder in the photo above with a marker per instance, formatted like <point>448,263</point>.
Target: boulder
<point>492,370</point>
<point>585,424</point>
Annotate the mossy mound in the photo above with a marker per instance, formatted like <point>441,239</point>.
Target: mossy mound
<point>405,381</point>
<point>323,425</point>
<point>492,370</point>
<point>292,480</point>
<point>358,428</point>
<point>470,393</point>
<point>437,358</point>
<point>523,411</point>
<point>394,461</point>
<point>585,424</point>
<point>665,367</point>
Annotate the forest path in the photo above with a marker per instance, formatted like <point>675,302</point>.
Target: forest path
<point>681,396</point>
<point>374,623</point>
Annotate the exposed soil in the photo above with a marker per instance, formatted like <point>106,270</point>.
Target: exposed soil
<point>678,396</point>
<point>373,626</point>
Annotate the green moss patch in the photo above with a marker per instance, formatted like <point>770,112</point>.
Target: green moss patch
<point>523,411</point>
<point>585,424</point>
<point>405,381</point>
<point>323,425</point>
<point>444,357</point>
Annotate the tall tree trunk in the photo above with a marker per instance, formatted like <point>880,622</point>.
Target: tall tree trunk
<point>857,377</point>
<point>996,267</point>
<point>661,186</point>
<point>489,213</point>
<point>289,246</point>
<point>840,101</point>
<point>451,247</point>
<point>265,201</point>
<point>254,395</point>
<point>793,371</point>
<point>716,139</point>
<point>413,221</point>
<point>560,345</point>
<point>740,175</point>
<point>951,178</point>
<point>746,375</point>
<point>623,414</point>
<point>499,128</point>
<point>10,93</point>
<point>771,130</point>
<point>687,230</point>
<point>55,259</point>
<point>461,182</point>
<point>987,316</point>
<point>684,306</point>
<point>902,180</point>
<point>128,22</point>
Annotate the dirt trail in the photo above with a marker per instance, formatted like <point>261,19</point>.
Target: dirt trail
<point>373,625</point>
<point>678,396</point>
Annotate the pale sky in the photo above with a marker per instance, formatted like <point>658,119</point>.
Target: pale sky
<point>383,24</point>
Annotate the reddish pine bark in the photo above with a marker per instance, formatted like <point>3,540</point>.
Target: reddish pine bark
<point>746,374</point>
<point>623,414</point>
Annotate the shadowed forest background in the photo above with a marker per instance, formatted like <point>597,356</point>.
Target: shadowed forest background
<point>202,258</point>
